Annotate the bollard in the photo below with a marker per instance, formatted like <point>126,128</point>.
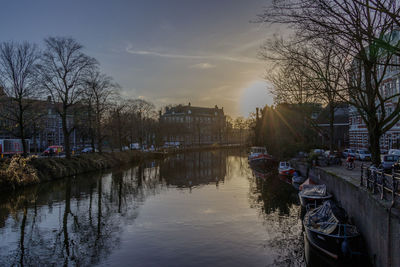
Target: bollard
<point>383,184</point>
<point>373,182</point>
<point>361,177</point>
<point>394,189</point>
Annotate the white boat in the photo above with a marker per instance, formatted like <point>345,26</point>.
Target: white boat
<point>285,168</point>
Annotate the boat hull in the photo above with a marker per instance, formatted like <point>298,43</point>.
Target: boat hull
<point>312,200</point>
<point>331,245</point>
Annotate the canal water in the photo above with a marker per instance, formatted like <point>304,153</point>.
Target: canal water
<point>195,209</point>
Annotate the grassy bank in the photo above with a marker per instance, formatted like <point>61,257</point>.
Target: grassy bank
<point>19,171</point>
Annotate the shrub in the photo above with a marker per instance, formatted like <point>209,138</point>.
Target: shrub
<point>20,171</point>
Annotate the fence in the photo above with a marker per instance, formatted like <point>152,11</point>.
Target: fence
<point>379,182</point>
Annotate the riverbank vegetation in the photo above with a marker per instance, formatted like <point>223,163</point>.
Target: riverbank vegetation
<point>21,171</point>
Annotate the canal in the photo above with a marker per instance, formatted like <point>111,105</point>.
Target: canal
<point>194,209</point>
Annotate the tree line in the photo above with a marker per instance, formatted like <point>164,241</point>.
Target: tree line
<point>339,51</point>
<point>62,74</point>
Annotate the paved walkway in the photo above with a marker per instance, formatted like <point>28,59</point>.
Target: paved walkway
<point>352,176</point>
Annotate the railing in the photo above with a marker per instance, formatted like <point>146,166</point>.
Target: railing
<point>380,183</point>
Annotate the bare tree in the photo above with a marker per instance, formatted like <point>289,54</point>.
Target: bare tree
<point>142,114</point>
<point>312,71</point>
<point>100,91</point>
<point>17,64</point>
<point>63,70</point>
<point>358,31</point>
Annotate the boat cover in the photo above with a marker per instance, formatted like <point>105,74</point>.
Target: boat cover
<point>322,219</point>
<point>314,190</point>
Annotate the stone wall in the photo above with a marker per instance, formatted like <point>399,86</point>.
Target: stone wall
<point>379,226</point>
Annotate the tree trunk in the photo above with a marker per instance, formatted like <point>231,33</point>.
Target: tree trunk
<point>374,137</point>
<point>66,134</point>
<point>331,128</point>
<point>22,130</point>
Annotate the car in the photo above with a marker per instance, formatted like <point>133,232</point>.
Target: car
<point>125,148</point>
<point>394,152</point>
<point>330,155</point>
<point>89,150</point>
<point>318,151</point>
<point>135,146</point>
<point>388,161</point>
<point>363,154</point>
<point>349,152</point>
<point>53,150</point>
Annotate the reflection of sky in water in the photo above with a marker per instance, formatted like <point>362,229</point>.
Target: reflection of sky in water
<point>218,221</point>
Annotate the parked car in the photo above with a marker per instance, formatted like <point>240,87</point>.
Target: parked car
<point>330,154</point>
<point>349,152</point>
<point>318,151</point>
<point>389,160</point>
<point>363,154</point>
<point>172,145</point>
<point>89,150</point>
<point>394,152</point>
<point>53,150</point>
<point>135,146</point>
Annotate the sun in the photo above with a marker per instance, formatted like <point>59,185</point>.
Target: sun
<point>255,95</point>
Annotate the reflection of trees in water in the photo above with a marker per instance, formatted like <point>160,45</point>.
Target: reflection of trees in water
<point>271,194</point>
<point>73,221</point>
<point>195,168</point>
<point>276,202</point>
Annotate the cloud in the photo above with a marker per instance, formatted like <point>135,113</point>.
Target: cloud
<point>240,59</point>
<point>203,66</point>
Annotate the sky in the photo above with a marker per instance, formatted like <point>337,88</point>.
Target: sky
<point>165,51</point>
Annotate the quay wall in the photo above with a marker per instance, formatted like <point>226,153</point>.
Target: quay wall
<point>378,224</point>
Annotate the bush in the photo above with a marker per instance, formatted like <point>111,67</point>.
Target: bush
<point>20,172</point>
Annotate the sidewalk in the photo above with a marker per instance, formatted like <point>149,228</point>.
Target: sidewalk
<point>352,176</point>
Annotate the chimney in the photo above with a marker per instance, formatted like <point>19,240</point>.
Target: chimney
<point>257,113</point>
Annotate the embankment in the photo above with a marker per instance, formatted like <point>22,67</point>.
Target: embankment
<point>19,171</point>
<point>378,224</point>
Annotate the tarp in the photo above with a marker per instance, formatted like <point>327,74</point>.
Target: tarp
<point>314,190</point>
<point>322,219</point>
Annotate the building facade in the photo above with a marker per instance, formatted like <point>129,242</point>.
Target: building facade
<point>191,125</point>
<point>390,86</point>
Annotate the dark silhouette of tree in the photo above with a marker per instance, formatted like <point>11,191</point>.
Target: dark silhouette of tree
<point>18,80</point>
<point>63,70</point>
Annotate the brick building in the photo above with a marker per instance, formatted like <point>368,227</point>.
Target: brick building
<point>191,125</point>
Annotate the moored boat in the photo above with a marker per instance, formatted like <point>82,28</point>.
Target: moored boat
<point>297,178</point>
<point>313,195</point>
<point>285,168</point>
<point>327,230</point>
<point>259,157</point>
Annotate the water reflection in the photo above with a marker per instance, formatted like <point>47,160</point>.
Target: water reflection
<point>194,209</point>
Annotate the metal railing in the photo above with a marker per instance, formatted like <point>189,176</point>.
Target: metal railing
<point>380,183</point>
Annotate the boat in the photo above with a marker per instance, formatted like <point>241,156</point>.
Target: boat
<point>313,195</point>
<point>285,168</point>
<point>297,178</point>
<point>308,181</point>
<point>259,157</point>
<point>327,230</point>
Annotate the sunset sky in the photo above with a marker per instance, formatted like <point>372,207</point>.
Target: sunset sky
<point>165,51</point>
